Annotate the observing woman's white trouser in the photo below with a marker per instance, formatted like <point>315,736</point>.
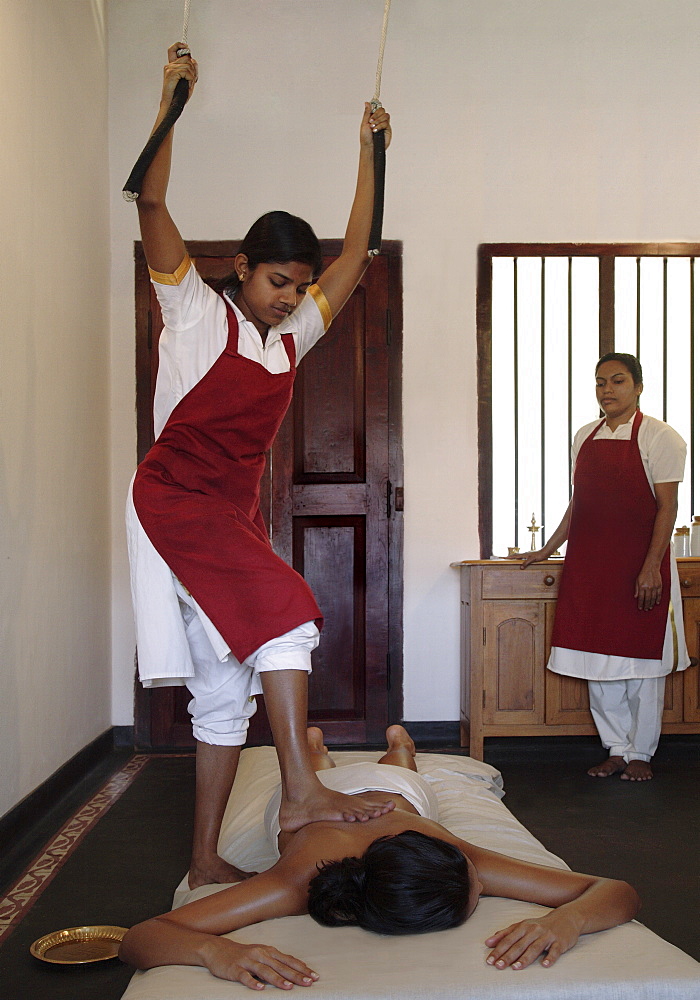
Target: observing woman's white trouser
<point>627,715</point>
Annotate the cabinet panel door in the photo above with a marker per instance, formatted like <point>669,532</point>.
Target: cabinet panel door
<point>673,699</point>
<point>567,701</point>
<point>566,698</point>
<point>513,662</point>
<point>691,676</point>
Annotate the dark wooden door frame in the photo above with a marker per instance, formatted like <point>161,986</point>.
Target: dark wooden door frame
<point>392,250</point>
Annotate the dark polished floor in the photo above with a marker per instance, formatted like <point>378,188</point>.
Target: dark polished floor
<point>127,866</point>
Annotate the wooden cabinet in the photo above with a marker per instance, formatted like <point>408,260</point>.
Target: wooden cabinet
<point>506,627</point>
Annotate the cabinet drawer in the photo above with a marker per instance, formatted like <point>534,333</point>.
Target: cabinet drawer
<point>509,581</point>
<point>689,573</point>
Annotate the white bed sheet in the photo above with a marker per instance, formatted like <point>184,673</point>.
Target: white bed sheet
<point>624,963</point>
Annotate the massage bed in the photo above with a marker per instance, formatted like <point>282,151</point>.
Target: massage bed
<point>625,963</point>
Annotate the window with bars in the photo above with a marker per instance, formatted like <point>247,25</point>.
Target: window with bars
<point>545,314</point>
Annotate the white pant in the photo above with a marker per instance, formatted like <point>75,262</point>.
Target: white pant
<point>627,715</point>
<point>223,691</point>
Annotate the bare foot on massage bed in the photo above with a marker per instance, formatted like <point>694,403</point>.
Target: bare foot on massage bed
<point>214,870</point>
<point>637,770</point>
<point>613,765</point>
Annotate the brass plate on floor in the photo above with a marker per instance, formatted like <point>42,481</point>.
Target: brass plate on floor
<point>79,945</point>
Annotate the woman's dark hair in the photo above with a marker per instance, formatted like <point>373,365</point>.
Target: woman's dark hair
<point>407,884</point>
<point>628,360</point>
<point>280,237</point>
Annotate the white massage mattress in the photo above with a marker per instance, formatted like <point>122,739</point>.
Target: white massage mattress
<point>624,963</point>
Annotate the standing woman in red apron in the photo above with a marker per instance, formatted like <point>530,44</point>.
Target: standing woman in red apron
<point>215,608</point>
<point>619,617</point>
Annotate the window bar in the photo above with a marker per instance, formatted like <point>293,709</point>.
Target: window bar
<point>692,386</point>
<point>569,343</point>
<point>606,305</point>
<point>542,398</point>
<point>639,305</point>
<point>664,338</point>
<point>515,391</point>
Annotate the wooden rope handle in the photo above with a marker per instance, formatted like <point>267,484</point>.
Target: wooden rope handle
<point>132,188</point>
<point>378,140</point>
<point>379,149</point>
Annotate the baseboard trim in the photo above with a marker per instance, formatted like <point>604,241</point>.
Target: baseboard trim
<point>431,734</point>
<point>35,805</point>
<point>123,736</point>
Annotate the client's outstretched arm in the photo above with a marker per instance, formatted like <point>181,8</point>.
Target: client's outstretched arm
<point>190,935</point>
<point>581,904</point>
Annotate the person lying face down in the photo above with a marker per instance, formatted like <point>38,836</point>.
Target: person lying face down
<point>401,873</point>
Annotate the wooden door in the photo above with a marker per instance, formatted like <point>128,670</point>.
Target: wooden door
<point>332,499</point>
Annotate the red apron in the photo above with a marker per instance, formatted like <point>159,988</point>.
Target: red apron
<point>612,520</point>
<point>197,496</point>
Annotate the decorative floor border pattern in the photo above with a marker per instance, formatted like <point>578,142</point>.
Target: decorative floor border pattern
<point>46,865</point>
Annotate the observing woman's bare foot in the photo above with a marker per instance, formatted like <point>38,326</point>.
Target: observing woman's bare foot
<point>613,765</point>
<point>214,869</point>
<point>637,770</point>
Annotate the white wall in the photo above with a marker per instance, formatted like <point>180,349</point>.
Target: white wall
<point>54,356</point>
<point>516,120</point>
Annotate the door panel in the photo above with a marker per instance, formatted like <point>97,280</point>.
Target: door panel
<point>691,676</point>
<point>566,698</point>
<point>513,656</point>
<point>336,460</point>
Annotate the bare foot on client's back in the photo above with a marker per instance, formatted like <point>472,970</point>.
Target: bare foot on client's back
<point>316,802</point>
<point>321,803</point>
<point>209,870</point>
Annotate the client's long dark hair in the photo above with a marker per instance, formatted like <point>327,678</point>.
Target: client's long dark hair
<point>407,884</point>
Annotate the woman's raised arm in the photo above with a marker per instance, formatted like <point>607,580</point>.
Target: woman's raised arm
<point>339,280</point>
<point>162,244</point>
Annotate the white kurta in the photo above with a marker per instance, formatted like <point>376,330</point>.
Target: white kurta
<point>194,335</point>
<point>662,451</point>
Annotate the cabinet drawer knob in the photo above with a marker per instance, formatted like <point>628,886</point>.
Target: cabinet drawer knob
<point>686,583</point>
<point>693,661</point>
<point>548,581</point>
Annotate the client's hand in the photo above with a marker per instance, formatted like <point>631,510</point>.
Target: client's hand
<point>520,944</point>
<point>253,965</point>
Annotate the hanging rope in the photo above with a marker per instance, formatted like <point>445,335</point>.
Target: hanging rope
<point>375,235</point>
<point>132,188</point>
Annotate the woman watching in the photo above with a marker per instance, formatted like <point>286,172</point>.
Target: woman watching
<point>619,617</point>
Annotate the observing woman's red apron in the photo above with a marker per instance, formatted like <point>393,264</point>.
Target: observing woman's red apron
<point>612,520</point>
<point>197,496</point>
